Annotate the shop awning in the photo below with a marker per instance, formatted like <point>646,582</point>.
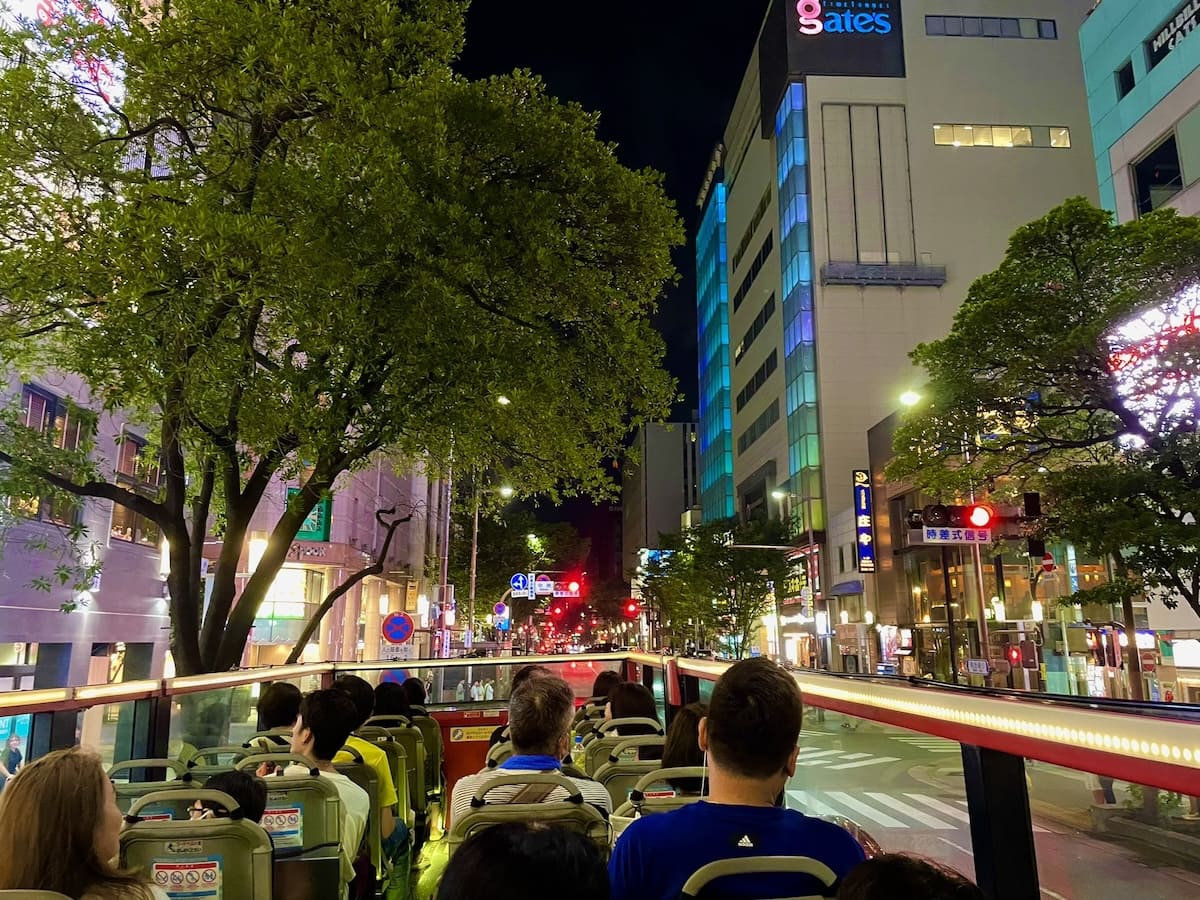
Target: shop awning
<point>847,588</point>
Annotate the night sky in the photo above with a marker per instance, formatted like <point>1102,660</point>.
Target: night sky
<point>663,74</point>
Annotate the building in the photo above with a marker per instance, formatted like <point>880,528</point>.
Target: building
<point>859,190</point>
<point>659,484</point>
<point>1140,60</point>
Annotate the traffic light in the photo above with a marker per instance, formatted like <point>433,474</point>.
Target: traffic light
<point>573,587</point>
<point>1029,659</point>
<point>1014,656</point>
<point>937,515</point>
<point>557,611</point>
<point>632,609</point>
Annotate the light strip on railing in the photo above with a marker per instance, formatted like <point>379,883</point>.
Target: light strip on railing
<point>21,699</point>
<point>117,690</point>
<point>247,676</point>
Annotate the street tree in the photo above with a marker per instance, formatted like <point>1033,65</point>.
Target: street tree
<point>1074,369</point>
<point>291,238</point>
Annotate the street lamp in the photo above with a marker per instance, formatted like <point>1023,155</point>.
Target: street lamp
<point>505,491</point>
<point>910,398</point>
<point>503,401</point>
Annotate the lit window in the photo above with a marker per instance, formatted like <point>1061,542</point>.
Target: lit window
<point>964,135</point>
<point>1002,136</point>
<point>943,135</point>
<point>1022,136</point>
<point>983,135</point>
<point>1060,137</point>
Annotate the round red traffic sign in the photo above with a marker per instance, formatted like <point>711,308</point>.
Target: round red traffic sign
<point>1048,563</point>
<point>397,628</point>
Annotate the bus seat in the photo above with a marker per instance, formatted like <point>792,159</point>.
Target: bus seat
<point>413,741</point>
<point>498,753</point>
<point>361,773</point>
<point>274,740</point>
<point>21,894</point>
<point>303,818</point>
<point>598,749</point>
<point>398,764</point>
<point>431,731</point>
<point>644,802</point>
<point>213,760</point>
<point>225,857</point>
<point>760,865</point>
<point>128,791</point>
<point>572,813</point>
<point>592,710</point>
<point>619,775</point>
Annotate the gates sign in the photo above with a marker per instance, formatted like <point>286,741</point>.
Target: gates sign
<point>841,17</point>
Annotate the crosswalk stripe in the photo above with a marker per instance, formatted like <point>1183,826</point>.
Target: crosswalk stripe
<point>870,812</point>
<point>911,811</point>
<point>855,755</point>
<point>812,805</point>
<point>943,808</point>
<point>865,762</point>
<point>814,752</point>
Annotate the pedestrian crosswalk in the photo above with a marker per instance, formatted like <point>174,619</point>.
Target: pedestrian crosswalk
<point>928,744</point>
<point>875,809</point>
<point>839,759</point>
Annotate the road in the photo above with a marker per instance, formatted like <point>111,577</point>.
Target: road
<point>907,790</point>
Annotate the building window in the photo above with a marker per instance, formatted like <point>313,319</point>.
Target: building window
<point>1005,136</point>
<point>64,426</point>
<point>755,329</point>
<point>758,427</point>
<point>1125,79</point>
<point>991,27</point>
<point>1158,176</point>
<point>140,472</point>
<point>757,380</point>
<point>755,268</point>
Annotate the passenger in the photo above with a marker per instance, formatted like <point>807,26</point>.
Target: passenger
<point>682,749</point>
<point>629,700</point>
<point>249,791</point>
<point>11,761</point>
<point>325,722</point>
<point>523,860</point>
<point>604,683</point>
<point>363,697</point>
<point>897,875</point>
<point>523,675</point>
<point>277,708</point>
<point>392,700</point>
<point>415,689</point>
<point>750,736</point>
<point>60,831</point>
<point>539,719</point>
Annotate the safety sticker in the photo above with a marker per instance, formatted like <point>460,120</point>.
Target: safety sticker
<point>471,733</point>
<point>198,879</point>
<point>285,825</point>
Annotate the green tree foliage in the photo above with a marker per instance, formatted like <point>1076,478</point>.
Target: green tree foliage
<point>297,240</point>
<point>714,578</point>
<point>1025,384</point>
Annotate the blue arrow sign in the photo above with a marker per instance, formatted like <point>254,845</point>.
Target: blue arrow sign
<point>519,583</point>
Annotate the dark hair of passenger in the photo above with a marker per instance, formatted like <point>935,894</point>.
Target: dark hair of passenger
<point>605,682</point>
<point>527,672</point>
<point>360,692</point>
<point>278,706</point>
<point>897,875</point>
<point>53,814</point>
<point>631,700</point>
<point>249,792</point>
<point>520,860</point>
<point>682,748</point>
<point>415,688</point>
<point>392,700</point>
<point>754,719</point>
<point>539,715</point>
<point>331,716</point>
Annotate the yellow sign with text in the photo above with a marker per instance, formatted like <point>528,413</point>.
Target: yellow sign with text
<point>474,733</point>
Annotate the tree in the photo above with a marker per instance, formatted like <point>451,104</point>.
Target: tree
<point>1072,369</point>
<point>720,575</point>
<point>295,239</point>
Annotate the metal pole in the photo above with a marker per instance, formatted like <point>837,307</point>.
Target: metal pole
<point>949,614</point>
<point>474,558</point>
<point>447,495</point>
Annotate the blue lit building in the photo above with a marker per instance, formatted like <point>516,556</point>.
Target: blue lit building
<point>712,306</point>
<point>1140,60</point>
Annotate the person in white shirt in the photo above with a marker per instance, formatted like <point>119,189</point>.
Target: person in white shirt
<point>325,721</point>
<point>539,721</point>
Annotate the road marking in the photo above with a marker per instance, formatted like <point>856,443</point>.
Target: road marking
<point>911,811</point>
<point>960,848</point>
<point>812,804</point>
<point>855,755</point>
<point>944,808</point>
<point>870,812</point>
<point>1055,895</point>
<point>866,762</point>
<point>814,752</point>
<point>933,745</point>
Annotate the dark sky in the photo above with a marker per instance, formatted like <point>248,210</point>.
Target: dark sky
<point>663,74</point>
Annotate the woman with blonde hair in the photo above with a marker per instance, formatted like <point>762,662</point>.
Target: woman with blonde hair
<point>60,831</point>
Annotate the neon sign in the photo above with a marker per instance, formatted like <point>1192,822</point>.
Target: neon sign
<point>864,521</point>
<point>841,16</point>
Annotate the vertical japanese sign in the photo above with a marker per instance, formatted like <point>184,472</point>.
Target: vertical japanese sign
<point>864,521</point>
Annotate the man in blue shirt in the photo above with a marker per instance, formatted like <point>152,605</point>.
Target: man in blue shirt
<point>749,737</point>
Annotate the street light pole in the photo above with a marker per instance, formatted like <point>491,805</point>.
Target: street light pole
<point>474,558</point>
<point>447,498</point>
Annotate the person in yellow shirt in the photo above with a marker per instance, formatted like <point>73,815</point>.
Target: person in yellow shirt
<point>392,831</point>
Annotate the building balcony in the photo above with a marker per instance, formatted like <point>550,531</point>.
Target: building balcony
<point>883,274</point>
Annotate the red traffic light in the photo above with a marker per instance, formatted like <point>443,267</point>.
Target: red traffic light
<point>556,612</point>
<point>1014,656</point>
<point>980,516</point>
<point>632,609</point>
<point>573,587</point>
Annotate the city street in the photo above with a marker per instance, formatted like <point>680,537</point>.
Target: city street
<point>907,791</point>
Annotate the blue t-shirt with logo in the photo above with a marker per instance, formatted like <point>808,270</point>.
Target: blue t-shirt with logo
<point>658,853</point>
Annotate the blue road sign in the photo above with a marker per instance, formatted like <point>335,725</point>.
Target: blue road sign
<point>519,583</point>
<point>397,628</point>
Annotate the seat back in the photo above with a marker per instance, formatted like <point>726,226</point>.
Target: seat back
<point>498,753</point>
<point>591,711</point>
<point>620,775</point>
<point>762,865</point>
<point>397,764</point>
<point>274,740</point>
<point>229,858</point>
<point>32,895</point>
<point>572,813</point>
<point>213,760</point>
<point>598,749</point>
<point>412,740</point>
<point>431,731</point>
<point>129,791</point>
<point>303,817</point>
<point>362,774</point>
<point>644,802</point>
